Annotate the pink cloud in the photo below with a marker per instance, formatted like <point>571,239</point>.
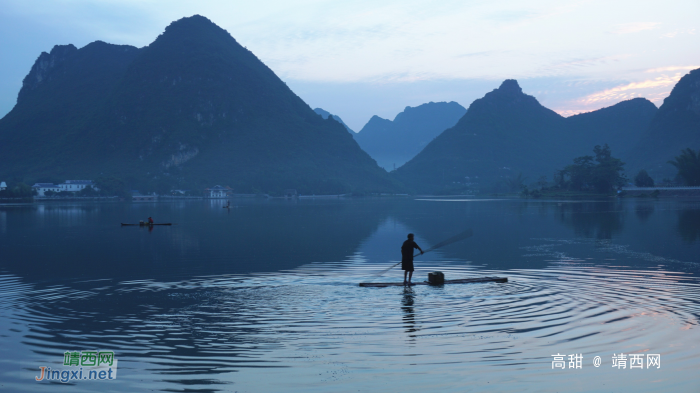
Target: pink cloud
<point>655,90</point>
<point>672,68</point>
<point>647,88</point>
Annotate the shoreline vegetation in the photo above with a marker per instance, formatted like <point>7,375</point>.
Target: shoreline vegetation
<point>603,176</point>
<point>627,192</point>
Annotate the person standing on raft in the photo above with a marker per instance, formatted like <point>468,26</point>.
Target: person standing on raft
<point>407,258</point>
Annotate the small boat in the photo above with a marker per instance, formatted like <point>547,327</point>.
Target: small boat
<point>461,281</point>
<point>145,224</point>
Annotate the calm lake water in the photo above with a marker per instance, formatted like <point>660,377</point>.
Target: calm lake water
<point>264,297</point>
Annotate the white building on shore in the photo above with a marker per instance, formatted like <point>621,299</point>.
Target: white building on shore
<point>75,185</point>
<point>69,186</point>
<point>41,188</point>
<point>217,192</point>
<point>3,186</point>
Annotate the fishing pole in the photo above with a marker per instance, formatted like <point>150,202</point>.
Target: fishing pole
<point>453,239</point>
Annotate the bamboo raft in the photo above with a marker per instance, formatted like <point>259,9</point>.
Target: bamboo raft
<point>144,224</point>
<point>460,281</point>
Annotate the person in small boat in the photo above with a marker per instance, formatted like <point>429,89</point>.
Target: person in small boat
<point>407,258</point>
<point>150,221</point>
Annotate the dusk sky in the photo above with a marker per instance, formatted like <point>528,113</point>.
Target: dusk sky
<point>362,58</point>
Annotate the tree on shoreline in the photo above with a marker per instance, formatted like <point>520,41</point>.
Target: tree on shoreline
<point>515,184</point>
<point>601,174</point>
<point>688,165</point>
<point>643,179</point>
<point>20,190</point>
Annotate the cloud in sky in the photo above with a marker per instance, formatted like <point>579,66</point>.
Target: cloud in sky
<point>392,46</point>
<point>635,27</point>
<point>569,66</point>
<point>632,90</point>
<point>673,68</point>
<point>654,89</point>
<point>671,34</point>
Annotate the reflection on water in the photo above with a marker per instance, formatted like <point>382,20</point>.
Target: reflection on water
<point>69,241</point>
<point>689,224</point>
<point>600,219</point>
<point>265,297</point>
<point>643,210</point>
<point>409,318</point>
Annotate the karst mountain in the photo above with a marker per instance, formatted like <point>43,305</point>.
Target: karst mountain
<point>508,133</point>
<point>393,142</point>
<point>191,110</point>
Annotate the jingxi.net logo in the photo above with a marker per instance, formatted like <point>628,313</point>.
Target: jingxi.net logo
<point>84,365</point>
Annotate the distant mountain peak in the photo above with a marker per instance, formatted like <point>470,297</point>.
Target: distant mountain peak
<point>392,143</point>
<point>450,107</point>
<point>378,118</point>
<point>197,30</point>
<point>325,114</point>
<point>45,64</point>
<point>510,87</point>
<point>376,121</point>
<point>192,21</point>
<point>63,50</point>
<point>509,95</point>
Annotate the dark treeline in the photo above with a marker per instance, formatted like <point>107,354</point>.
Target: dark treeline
<point>18,190</point>
<point>688,165</point>
<point>643,179</point>
<point>601,174</point>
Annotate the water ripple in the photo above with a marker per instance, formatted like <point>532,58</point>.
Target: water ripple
<point>205,329</point>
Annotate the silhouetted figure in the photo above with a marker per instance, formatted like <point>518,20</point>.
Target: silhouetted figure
<point>407,258</point>
<point>150,221</point>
